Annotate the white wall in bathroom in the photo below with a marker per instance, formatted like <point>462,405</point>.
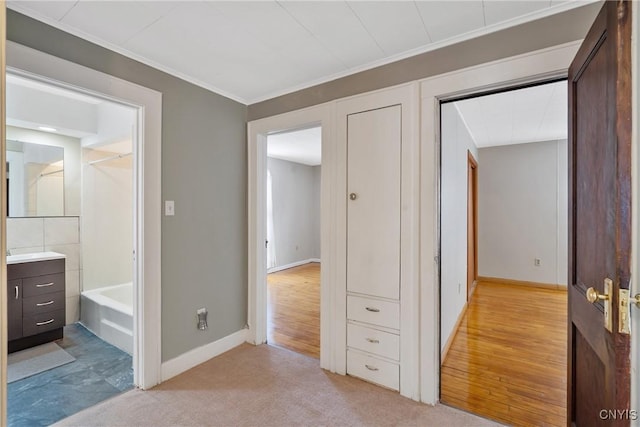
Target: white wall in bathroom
<point>57,234</point>
<point>107,220</point>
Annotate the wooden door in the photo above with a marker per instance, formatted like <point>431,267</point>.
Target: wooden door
<point>472,224</point>
<point>373,213</point>
<point>600,218</point>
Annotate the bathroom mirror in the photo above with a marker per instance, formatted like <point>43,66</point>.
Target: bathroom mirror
<point>35,179</point>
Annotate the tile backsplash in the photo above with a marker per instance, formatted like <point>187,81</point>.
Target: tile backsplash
<point>57,234</point>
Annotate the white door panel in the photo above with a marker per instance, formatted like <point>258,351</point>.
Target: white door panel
<point>373,217</point>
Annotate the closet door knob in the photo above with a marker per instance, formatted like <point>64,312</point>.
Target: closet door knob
<point>353,196</point>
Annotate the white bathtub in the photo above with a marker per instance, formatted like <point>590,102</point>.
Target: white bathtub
<point>108,313</point>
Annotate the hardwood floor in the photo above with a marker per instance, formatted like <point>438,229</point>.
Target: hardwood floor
<point>293,309</point>
<point>508,358</point>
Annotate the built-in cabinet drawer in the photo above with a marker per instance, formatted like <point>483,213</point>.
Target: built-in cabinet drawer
<point>42,322</point>
<point>373,369</point>
<point>33,286</point>
<point>373,311</point>
<point>43,303</point>
<point>373,341</point>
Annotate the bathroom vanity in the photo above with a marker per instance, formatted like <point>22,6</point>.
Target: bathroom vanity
<point>36,299</point>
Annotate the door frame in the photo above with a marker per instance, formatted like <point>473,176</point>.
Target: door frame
<point>333,224</point>
<point>257,132</point>
<point>37,65</point>
<point>546,64</point>
<point>472,173</point>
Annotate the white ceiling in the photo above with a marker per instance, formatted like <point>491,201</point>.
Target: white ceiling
<point>97,122</point>
<point>533,114</point>
<point>255,50</point>
<point>300,146</point>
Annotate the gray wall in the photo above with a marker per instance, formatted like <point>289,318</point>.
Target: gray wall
<point>522,212</point>
<point>456,143</point>
<point>546,32</point>
<point>204,246</point>
<point>296,210</point>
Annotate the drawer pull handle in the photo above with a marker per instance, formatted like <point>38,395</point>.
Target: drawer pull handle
<point>42,304</point>
<point>372,309</point>
<point>44,285</point>
<point>44,323</point>
<point>17,292</point>
<point>371,368</point>
<point>373,340</point>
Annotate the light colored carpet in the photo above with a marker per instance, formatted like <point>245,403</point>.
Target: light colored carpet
<point>266,386</point>
<point>25,363</point>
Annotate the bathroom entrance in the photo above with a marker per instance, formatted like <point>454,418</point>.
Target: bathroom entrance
<point>71,175</point>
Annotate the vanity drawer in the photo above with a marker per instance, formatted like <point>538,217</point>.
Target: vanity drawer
<point>376,312</point>
<point>372,369</point>
<point>42,322</point>
<point>43,303</point>
<point>373,341</point>
<point>33,269</point>
<point>39,285</point>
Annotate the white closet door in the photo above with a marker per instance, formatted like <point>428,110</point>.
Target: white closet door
<point>373,213</point>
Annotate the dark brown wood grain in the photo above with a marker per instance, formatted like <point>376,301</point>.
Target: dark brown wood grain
<point>599,216</point>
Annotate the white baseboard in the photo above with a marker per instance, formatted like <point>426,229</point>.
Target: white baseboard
<point>199,355</point>
<point>293,264</point>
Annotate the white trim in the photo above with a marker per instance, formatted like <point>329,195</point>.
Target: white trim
<point>292,265</point>
<point>529,67</point>
<point>196,356</point>
<point>257,159</point>
<point>406,95</point>
<point>147,320</point>
<point>539,14</point>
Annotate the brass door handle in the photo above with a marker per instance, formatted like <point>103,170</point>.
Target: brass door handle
<point>593,296</point>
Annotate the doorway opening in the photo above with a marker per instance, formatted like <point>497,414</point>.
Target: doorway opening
<point>504,171</point>
<point>293,239</point>
<point>72,208</point>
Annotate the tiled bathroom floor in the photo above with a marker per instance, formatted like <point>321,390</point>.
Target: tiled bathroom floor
<point>99,372</point>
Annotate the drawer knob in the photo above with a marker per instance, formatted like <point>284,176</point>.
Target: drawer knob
<point>371,368</point>
<point>44,285</point>
<point>372,309</point>
<point>42,304</point>
<point>44,323</point>
<point>373,340</point>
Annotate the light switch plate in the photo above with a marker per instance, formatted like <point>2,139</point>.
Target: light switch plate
<point>169,208</point>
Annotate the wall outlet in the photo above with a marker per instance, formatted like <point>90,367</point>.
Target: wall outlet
<point>459,287</point>
<point>536,262</point>
<point>201,314</point>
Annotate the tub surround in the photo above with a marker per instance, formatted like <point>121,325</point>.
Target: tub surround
<point>51,234</point>
<point>108,313</point>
